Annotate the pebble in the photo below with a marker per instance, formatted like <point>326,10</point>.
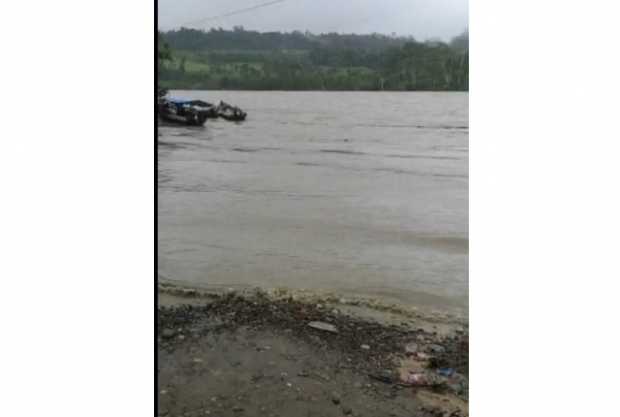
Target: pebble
<point>167,333</point>
<point>323,376</point>
<point>411,348</point>
<point>346,410</point>
<point>436,348</point>
<point>335,398</point>
<point>365,347</point>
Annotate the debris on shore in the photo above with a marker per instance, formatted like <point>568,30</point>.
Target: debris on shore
<point>323,326</point>
<point>324,351</point>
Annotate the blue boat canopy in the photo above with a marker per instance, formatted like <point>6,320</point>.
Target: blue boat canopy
<point>179,100</point>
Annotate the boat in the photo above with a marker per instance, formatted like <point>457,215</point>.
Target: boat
<point>187,112</point>
<point>232,113</point>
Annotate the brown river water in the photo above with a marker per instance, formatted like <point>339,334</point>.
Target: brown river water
<point>358,193</point>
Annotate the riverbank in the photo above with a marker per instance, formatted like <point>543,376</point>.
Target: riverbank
<point>276,354</point>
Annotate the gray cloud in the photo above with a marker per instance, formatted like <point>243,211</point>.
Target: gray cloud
<point>422,19</point>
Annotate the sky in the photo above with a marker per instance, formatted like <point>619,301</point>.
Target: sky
<point>422,19</point>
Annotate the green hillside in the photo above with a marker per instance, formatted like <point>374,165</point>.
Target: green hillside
<point>247,60</point>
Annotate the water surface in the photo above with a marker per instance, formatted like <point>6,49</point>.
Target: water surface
<point>358,193</point>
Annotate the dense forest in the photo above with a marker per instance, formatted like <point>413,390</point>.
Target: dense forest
<point>249,60</point>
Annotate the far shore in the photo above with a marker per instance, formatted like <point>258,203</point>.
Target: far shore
<point>318,91</point>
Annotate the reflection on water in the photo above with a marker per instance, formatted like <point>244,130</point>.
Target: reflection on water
<point>359,193</point>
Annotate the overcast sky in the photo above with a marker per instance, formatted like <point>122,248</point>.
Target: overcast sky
<point>421,18</point>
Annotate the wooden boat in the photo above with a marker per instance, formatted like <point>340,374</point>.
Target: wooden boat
<point>232,113</point>
<point>187,112</point>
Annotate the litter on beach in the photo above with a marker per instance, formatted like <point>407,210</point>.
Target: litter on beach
<point>323,326</point>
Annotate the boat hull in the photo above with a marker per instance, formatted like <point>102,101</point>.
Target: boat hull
<point>188,120</point>
<point>183,116</point>
<point>233,118</point>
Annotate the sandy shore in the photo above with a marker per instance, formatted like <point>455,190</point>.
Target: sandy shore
<point>277,354</point>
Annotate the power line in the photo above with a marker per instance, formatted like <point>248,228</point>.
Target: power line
<point>234,12</point>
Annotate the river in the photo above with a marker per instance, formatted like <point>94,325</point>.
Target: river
<point>360,193</point>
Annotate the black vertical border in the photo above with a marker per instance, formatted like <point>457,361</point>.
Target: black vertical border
<point>155,235</point>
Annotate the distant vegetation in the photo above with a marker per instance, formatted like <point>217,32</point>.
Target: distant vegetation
<point>248,60</point>
<point>163,56</point>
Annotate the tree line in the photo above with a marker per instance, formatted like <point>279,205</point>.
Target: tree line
<point>240,59</point>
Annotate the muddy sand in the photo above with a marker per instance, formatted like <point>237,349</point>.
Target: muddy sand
<point>256,354</point>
